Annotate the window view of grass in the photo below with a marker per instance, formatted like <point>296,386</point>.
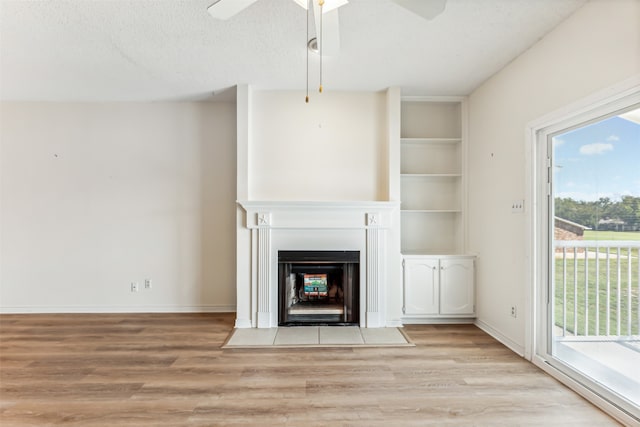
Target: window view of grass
<point>587,302</point>
<point>631,236</point>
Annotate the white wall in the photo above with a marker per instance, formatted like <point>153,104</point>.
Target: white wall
<point>333,148</point>
<point>595,48</point>
<point>96,196</point>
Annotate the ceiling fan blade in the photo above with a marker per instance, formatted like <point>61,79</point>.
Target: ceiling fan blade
<point>428,9</point>
<point>225,9</point>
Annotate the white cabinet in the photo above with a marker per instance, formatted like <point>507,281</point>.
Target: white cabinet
<point>438,287</point>
<point>456,286</point>
<point>421,286</point>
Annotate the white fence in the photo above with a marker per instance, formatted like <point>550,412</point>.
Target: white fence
<point>597,288</point>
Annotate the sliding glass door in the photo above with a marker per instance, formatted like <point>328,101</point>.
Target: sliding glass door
<point>592,320</point>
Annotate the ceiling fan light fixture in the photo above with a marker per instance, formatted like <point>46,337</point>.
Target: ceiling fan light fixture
<point>312,45</point>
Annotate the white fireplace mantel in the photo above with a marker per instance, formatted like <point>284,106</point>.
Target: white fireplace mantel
<point>313,214</point>
<point>314,225</point>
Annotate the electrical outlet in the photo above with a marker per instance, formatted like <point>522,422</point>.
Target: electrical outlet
<point>517,206</point>
<point>134,286</point>
<point>514,312</point>
<point>147,283</point>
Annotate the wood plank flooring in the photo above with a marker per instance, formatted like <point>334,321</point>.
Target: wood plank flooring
<point>169,370</point>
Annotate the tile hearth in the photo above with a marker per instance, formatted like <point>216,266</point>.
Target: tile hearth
<point>310,336</point>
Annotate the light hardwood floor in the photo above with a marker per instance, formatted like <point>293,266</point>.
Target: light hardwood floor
<point>169,370</point>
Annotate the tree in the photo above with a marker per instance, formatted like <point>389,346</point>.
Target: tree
<point>589,214</point>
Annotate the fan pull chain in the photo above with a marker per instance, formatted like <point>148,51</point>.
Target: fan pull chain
<point>321,3</point>
<point>306,99</point>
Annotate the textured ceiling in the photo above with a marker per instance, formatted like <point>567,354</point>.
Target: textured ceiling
<point>125,50</point>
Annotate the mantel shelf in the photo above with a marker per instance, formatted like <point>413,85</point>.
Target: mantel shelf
<point>337,205</point>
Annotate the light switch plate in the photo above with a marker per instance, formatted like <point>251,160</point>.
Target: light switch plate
<point>517,206</point>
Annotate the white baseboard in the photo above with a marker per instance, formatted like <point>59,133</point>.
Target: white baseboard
<point>513,346</point>
<point>409,320</point>
<point>119,309</point>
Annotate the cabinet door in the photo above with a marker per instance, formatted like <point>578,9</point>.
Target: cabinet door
<point>456,286</point>
<point>421,290</point>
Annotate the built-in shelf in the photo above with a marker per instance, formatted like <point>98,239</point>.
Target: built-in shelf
<point>430,140</point>
<point>429,253</point>
<point>431,175</point>
<point>437,274</point>
<point>431,210</point>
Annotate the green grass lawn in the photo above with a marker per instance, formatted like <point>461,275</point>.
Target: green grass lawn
<point>622,236</point>
<point>611,235</point>
<point>583,296</point>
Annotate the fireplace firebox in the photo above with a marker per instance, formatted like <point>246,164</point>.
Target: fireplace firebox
<point>318,287</point>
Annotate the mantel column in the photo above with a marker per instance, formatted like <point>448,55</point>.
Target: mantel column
<point>374,314</point>
<point>263,314</point>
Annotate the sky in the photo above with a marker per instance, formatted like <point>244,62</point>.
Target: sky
<point>598,160</point>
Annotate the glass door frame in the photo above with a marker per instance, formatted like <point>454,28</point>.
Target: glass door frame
<point>538,344</point>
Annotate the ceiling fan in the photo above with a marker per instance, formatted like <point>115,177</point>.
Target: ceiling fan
<point>427,9</point>
<point>325,18</point>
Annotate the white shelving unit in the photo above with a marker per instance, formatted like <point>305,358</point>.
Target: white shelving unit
<point>438,276</point>
<point>432,185</point>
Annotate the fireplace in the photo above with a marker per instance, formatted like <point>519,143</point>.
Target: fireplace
<point>269,229</point>
<point>318,288</point>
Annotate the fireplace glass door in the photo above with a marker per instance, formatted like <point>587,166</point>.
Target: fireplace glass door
<point>318,287</point>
